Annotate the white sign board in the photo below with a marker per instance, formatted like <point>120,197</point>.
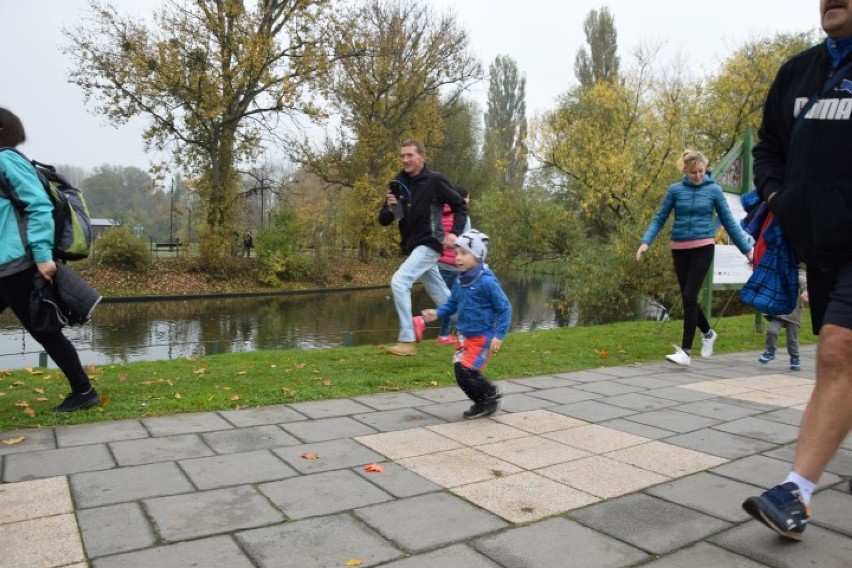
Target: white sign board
<point>730,265</point>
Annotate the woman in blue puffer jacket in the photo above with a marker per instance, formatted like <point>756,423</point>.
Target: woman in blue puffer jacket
<point>26,231</point>
<point>694,199</point>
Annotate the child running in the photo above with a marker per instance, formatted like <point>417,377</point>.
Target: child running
<point>484,314</point>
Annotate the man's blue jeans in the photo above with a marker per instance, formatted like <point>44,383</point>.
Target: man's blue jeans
<point>422,265</point>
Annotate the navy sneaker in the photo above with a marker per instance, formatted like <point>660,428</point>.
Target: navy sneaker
<point>795,364</point>
<point>493,402</point>
<point>475,411</point>
<point>767,357</point>
<point>79,401</point>
<point>781,509</point>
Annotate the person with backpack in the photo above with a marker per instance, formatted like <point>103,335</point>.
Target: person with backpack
<point>27,256</point>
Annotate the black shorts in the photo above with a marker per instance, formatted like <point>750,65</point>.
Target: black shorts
<point>830,295</point>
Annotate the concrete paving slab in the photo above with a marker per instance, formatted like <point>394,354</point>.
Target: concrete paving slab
<point>703,555</point>
<point>708,493</point>
<point>217,552</point>
<point>207,513</point>
<point>458,467</point>
<point>551,542</point>
<point>584,376</point>
<point>330,408</point>
<point>532,452</point>
<point>649,523</point>
<point>161,449</point>
<point>624,371</point>
<point>427,521</point>
<point>674,420</point>
<point>452,411</point>
<point>595,439</point>
<point>642,430</point>
<point>322,541</point>
<point>609,388</point>
<point>592,411</point>
<point>264,437</point>
<point>336,454</point>
<point>638,402</point>
<point>27,500</point>
<point>564,395</point>
<point>192,423</point>
<point>718,388</point>
<point>45,542</point>
<point>831,510</point>
<point>98,488</point>
<point>840,464</point>
<point>720,444</point>
<point>50,463</point>
<point>408,443</point>
<point>759,429</point>
<point>679,394</point>
<point>717,409</point>
<point>34,439</point>
<point>647,382</point>
<point>236,469</point>
<point>517,403</point>
<point>456,555</point>
<point>820,547</point>
<point>544,382</point>
<point>325,429</point>
<point>764,472</point>
<point>392,400</point>
<point>666,459</point>
<point>477,432</point>
<point>602,477</point>
<point>115,529</point>
<point>397,480</point>
<point>524,497</point>
<point>322,493</point>
<point>442,394</point>
<point>790,416</point>
<point>100,433</point>
<point>401,419</point>
<point>276,414</point>
<point>539,421</point>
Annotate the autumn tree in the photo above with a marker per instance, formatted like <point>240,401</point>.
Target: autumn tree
<point>413,65</point>
<point>457,156</point>
<point>600,62</point>
<point>504,153</point>
<point>207,76</point>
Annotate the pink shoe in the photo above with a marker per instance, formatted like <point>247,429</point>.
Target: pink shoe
<point>446,340</point>
<point>419,327</point>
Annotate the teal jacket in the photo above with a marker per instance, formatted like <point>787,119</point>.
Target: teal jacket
<point>26,238</point>
<point>693,207</point>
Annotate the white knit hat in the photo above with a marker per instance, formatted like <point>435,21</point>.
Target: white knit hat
<point>474,242</point>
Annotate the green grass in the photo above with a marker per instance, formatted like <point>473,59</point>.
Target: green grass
<point>239,380</point>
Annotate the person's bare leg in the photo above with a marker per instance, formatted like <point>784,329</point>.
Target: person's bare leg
<point>828,416</point>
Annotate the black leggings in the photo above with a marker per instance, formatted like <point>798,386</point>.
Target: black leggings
<point>691,266</point>
<point>15,293</point>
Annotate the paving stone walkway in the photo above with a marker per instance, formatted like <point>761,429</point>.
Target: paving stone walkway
<point>615,467</point>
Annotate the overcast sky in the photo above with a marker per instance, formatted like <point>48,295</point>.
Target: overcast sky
<point>542,36</point>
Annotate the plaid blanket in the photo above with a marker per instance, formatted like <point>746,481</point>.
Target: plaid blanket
<point>773,287</point>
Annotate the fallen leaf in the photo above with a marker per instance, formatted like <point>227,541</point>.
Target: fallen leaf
<point>374,467</point>
<point>354,562</point>
<point>433,383</point>
<point>38,391</point>
<point>299,365</point>
<point>235,397</point>
<point>41,399</point>
<point>200,371</point>
<point>389,388</point>
<point>32,371</point>
<point>19,384</point>
<point>13,441</point>
<point>242,372</point>
<point>23,403</point>
<point>310,456</point>
<point>603,354</point>
<point>327,382</point>
<point>122,377</point>
<point>30,412</point>
<point>90,369</point>
<point>177,395</point>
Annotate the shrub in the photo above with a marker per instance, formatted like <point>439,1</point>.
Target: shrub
<point>281,253</point>
<point>119,249</point>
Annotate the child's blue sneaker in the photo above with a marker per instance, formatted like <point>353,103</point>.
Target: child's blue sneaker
<point>795,364</point>
<point>767,357</point>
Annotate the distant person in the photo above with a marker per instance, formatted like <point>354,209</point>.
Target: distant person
<point>694,199</point>
<point>791,324</point>
<point>447,263</point>
<point>248,243</point>
<point>800,170</point>
<point>484,315</point>
<point>27,252</point>
<point>415,200</point>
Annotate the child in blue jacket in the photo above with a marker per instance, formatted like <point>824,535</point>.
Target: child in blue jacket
<point>484,314</point>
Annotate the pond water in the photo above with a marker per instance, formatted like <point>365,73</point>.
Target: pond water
<point>168,329</point>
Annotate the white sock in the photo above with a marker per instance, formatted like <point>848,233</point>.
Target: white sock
<point>806,488</point>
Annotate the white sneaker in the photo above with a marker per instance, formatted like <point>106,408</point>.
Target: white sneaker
<point>707,344</point>
<point>679,357</point>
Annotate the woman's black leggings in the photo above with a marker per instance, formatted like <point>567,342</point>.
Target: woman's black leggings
<point>15,291</point>
<point>691,266</point>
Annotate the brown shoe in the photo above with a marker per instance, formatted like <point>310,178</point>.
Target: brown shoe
<point>402,349</point>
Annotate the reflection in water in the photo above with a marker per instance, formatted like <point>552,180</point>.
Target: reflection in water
<point>171,329</point>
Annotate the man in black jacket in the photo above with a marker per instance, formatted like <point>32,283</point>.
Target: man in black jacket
<point>802,172</point>
<point>416,199</point>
